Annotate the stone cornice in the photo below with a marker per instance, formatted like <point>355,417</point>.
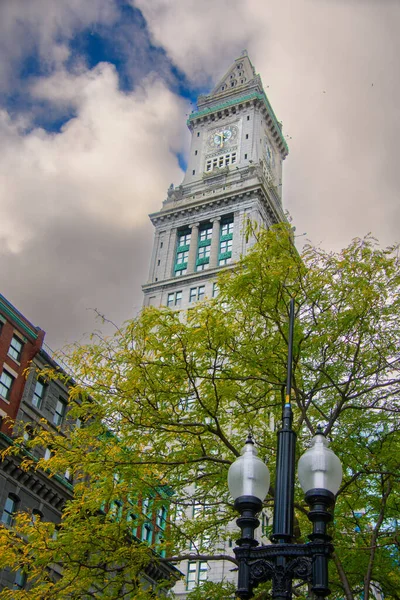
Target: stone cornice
<point>192,278</point>
<point>228,199</point>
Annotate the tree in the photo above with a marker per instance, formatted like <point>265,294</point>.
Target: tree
<point>180,391</point>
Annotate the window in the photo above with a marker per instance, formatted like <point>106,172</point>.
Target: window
<point>203,568</point>
<point>147,533</point>
<point>205,232</point>
<point>38,394</point>
<point>36,516</point>
<point>224,261</point>
<point>227,227</point>
<point>197,573</point>
<point>223,160</point>
<point>47,454</point>
<point>161,517</point>
<point>204,252</point>
<point>248,118</point>
<point>182,252</point>
<point>6,382</point>
<point>215,290</point>
<point>158,262</point>
<point>61,409</point>
<point>174,298</point>
<point>194,172</point>
<point>245,156</point>
<point>182,257</point>
<point>15,349</point>
<point>9,509</point>
<point>197,293</point>
<point>1,325</point>
<point>247,136</point>
<point>198,134</point>
<point>191,575</point>
<point>184,238</point>
<point>225,246</point>
<point>195,152</point>
<point>146,506</point>
<point>20,580</point>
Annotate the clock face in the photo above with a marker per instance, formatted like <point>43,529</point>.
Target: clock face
<point>223,136</point>
<point>269,154</point>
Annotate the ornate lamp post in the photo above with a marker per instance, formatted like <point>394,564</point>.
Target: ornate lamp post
<point>320,475</point>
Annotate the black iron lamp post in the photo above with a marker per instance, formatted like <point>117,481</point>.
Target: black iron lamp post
<point>320,476</point>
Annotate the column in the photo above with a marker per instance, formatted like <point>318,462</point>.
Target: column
<point>214,250</point>
<point>194,240</point>
<point>171,252</point>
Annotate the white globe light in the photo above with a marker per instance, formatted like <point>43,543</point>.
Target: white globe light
<point>319,467</point>
<point>248,475</point>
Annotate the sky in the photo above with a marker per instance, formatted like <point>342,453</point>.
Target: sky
<point>94,98</point>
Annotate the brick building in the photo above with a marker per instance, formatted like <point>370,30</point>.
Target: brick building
<point>27,399</point>
<point>20,341</point>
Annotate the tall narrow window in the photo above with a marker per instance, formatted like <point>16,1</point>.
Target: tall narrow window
<point>196,574</point>
<point>191,575</point>
<point>203,250</point>
<point>6,382</point>
<point>15,349</point>
<point>9,509</point>
<point>225,241</point>
<point>182,252</point>
<point>161,517</point>
<point>59,414</point>
<point>147,533</point>
<point>38,394</point>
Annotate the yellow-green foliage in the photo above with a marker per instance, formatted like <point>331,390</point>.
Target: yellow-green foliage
<point>168,400</point>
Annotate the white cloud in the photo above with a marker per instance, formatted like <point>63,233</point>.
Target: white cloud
<point>112,160</point>
<point>201,38</point>
<point>45,27</point>
<point>74,204</point>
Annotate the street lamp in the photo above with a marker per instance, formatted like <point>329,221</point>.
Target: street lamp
<point>320,476</point>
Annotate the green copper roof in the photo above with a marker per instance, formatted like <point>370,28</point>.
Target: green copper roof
<point>254,95</point>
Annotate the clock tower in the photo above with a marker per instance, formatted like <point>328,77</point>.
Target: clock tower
<point>234,173</point>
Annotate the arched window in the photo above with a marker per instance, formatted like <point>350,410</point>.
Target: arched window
<point>9,509</point>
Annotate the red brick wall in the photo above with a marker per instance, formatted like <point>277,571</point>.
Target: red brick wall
<point>30,349</point>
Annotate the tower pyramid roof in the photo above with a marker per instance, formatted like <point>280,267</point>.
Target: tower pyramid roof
<point>240,75</point>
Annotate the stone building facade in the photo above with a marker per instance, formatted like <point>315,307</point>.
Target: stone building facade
<point>234,174</point>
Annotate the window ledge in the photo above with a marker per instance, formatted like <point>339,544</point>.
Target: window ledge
<point>14,359</point>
